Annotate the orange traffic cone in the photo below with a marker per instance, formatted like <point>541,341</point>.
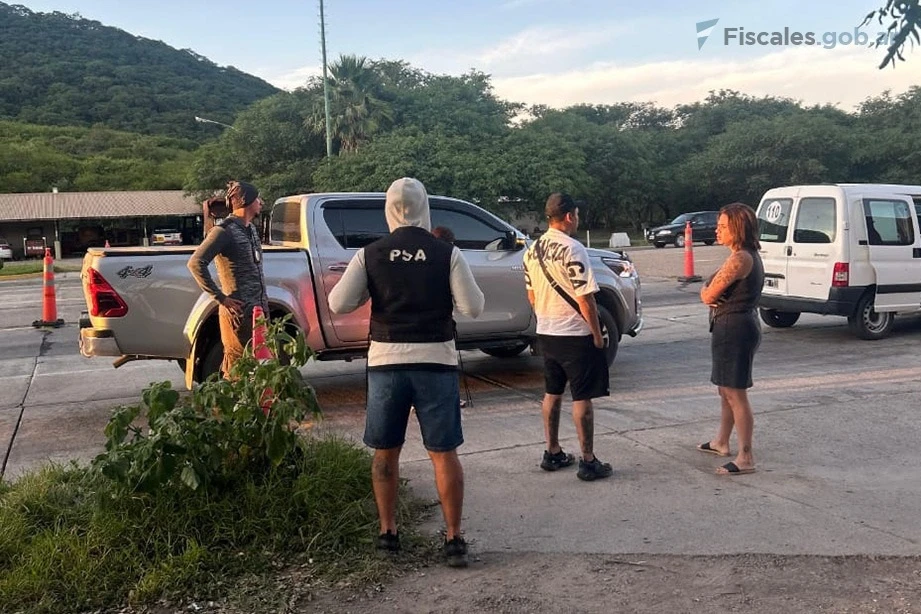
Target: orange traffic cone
<point>261,351</point>
<point>689,275</point>
<point>49,300</point>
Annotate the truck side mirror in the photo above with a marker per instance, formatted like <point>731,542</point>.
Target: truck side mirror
<point>510,242</point>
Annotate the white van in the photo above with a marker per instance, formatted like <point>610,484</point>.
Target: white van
<point>845,249</point>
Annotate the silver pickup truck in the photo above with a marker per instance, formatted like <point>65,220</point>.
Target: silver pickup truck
<point>142,303</point>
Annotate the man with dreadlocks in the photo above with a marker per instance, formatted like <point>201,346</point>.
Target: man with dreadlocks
<point>234,245</point>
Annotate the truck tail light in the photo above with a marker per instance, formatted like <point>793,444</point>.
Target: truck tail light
<point>104,300</point>
<point>841,275</point>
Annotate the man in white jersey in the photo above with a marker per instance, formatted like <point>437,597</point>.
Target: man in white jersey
<point>561,288</point>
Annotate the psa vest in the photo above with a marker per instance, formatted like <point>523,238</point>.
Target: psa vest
<point>409,282</point>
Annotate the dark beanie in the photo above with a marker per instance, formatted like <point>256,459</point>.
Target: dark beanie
<point>241,194</point>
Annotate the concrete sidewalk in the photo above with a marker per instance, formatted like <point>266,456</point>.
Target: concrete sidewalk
<point>839,471</point>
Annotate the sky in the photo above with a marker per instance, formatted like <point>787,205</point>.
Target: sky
<point>552,52</point>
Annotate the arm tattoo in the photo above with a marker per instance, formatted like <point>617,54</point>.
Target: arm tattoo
<point>736,267</point>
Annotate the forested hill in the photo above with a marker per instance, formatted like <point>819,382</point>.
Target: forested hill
<point>63,70</point>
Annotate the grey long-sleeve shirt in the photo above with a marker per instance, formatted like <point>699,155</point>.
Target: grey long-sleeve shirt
<point>352,291</point>
<point>237,254</point>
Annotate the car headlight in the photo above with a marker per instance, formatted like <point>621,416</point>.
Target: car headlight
<point>664,232</point>
<point>622,268</point>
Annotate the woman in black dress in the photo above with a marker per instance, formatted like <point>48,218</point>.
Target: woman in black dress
<point>732,295</point>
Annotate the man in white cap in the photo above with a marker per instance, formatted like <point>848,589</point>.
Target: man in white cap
<point>414,281</point>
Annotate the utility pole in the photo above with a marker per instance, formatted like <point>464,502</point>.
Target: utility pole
<point>329,136</point>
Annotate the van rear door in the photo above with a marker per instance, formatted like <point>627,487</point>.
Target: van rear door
<point>818,242</point>
<point>774,216</point>
<point>894,243</point>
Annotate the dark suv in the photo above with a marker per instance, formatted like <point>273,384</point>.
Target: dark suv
<point>703,228</point>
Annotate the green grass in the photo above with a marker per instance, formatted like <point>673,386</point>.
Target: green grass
<point>71,541</point>
<point>34,266</point>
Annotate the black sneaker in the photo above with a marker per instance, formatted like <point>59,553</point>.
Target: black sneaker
<point>552,462</point>
<point>388,543</point>
<point>456,552</point>
<point>594,470</point>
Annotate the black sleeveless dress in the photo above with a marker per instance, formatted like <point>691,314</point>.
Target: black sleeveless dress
<point>735,329</point>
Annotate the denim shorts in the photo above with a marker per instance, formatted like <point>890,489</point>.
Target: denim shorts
<point>435,396</point>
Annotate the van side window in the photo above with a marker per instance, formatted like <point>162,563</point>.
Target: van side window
<point>888,222</point>
<point>356,224</point>
<point>815,221</point>
<point>917,201</point>
<point>773,219</point>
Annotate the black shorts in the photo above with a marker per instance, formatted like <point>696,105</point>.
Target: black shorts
<point>575,360</point>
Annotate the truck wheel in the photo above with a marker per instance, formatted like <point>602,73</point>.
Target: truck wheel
<point>679,240</point>
<point>609,333</point>
<point>211,363</point>
<point>867,324</point>
<point>506,352</point>
<point>778,319</point>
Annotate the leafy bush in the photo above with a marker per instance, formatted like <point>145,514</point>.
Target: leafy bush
<point>212,490</point>
<point>226,429</point>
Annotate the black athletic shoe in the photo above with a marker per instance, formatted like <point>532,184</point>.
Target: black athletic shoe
<point>456,552</point>
<point>388,543</point>
<point>552,462</point>
<point>595,470</point>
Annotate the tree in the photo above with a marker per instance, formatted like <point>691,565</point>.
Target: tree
<point>357,111</point>
<point>464,105</point>
<point>884,154</point>
<point>751,157</point>
<point>905,24</point>
<point>268,147</point>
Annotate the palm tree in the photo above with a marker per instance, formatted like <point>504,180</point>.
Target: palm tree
<point>356,110</point>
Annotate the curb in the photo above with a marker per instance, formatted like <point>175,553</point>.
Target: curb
<point>21,276</point>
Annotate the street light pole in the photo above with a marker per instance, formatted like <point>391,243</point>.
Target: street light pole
<point>329,136</point>
<point>202,120</point>
<point>57,229</point>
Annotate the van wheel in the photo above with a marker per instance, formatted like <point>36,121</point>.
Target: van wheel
<point>211,363</point>
<point>506,352</point>
<point>679,240</point>
<point>609,333</point>
<point>778,319</point>
<point>867,324</point>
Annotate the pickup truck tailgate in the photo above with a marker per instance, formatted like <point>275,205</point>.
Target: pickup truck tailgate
<point>154,286</point>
